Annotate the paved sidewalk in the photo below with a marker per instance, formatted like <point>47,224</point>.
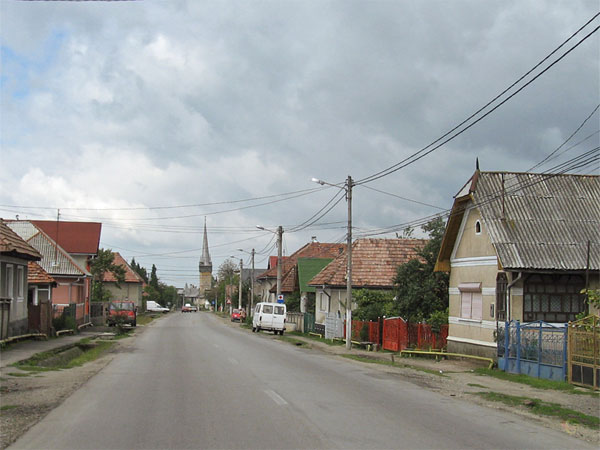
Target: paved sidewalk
<point>19,351</point>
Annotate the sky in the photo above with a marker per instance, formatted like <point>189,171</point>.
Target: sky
<point>154,116</point>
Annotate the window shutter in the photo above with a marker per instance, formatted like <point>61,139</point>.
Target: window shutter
<point>465,310</point>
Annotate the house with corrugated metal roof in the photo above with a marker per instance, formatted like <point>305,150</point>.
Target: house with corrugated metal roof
<point>518,246</point>
<point>374,266</point>
<point>73,280</point>
<point>15,254</point>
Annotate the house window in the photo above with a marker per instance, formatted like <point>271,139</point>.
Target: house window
<point>501,288</point>
<point>20,282</point>
<point>471,301</point>
<point>10,279</point>
<point>478,227</point>
<point>324,302</point>
<point>553,298</point>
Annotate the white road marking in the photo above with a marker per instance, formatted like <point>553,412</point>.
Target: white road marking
<point>217,345</point>
<point>233,361</point>
<point>276,397</point>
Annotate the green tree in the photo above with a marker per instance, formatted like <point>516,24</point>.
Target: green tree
<point>141,271</point>
<point>422,292</point>
<point>103,263</point>
<point>372,304</point>
<point>154,278</point>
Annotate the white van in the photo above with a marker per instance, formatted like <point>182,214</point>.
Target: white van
<point>269,316</point>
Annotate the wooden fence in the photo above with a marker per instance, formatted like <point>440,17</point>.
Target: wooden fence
<point>583,354</point>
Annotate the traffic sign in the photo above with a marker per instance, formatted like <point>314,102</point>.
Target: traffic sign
<point>280,298</point>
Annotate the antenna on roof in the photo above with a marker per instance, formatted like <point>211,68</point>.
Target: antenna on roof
<point>55,262</point>
<point>477,163</point>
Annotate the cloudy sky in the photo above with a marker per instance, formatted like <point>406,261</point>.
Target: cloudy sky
<point>150,116</point>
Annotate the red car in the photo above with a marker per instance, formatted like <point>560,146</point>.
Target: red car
<point>236,315</point>
<point>121,312</point>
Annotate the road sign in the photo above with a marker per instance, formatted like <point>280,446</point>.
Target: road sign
<point>229,302</point>
<point>280,298</point>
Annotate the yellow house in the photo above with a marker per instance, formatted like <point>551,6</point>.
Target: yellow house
<point>519,246</point>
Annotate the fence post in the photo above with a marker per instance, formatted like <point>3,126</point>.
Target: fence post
<point>539,355</point>
<point>506,345</point>
<point>518,330</point>
<point>565,352</point>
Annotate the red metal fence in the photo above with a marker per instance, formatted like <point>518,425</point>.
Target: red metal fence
<point>399,335</point>
<point>358,325</point>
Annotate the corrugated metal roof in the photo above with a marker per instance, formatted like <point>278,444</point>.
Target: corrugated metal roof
<point>13,244</point>
<point>538,221</point>
<point>55,260</point>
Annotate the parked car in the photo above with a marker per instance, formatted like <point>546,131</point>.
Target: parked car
<point>152,306</point>
<point>189,308</point>
<point>236,315</point>
<point>269,316</point>
<point>122,312</point>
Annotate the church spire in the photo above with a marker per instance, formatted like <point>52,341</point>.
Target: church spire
<point>205,259</point>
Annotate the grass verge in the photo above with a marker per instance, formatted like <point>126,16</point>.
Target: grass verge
<point>317,338</point>
<point>542,408</point>
<point>7,407</point>
<point>390,363</point>
<point>34,364</point>
<point>144,319</point>
<point>293,341</point>
<point>538,383</point>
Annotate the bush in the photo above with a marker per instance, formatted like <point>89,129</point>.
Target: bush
<point>364,332</point>
<point>437,319</point>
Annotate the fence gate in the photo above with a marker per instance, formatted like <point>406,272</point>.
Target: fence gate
<point>394,334</point>
<point>309,323</point>
<point>334,327</point>
<point>584,352</point>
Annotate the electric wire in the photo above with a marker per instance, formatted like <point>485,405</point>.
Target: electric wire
<point>442,141</point>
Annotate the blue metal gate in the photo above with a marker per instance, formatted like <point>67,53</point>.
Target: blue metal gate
<point>537,349</point>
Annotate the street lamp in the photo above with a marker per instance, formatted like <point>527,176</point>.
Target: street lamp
<point>250,303</point>
<point>348,187</point>
<point>279,234</point>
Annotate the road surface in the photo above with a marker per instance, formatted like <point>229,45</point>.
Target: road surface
<point>190,381</point>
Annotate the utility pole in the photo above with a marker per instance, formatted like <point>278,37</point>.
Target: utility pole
<point>349,269</point>
<point>240,288</point>
<point>279,239</point>
<point>348,187</point>
<point>251,302</point>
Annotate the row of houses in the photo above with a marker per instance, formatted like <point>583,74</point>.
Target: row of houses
<point>517,246</point>
<point>45,267</point>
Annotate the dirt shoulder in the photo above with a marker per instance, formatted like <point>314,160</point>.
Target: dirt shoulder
<point>26,397</point>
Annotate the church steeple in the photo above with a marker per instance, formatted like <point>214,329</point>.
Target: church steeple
<point>205,266</point>
<point>205,259</point>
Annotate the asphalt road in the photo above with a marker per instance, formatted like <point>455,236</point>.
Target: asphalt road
<point>192,382</point>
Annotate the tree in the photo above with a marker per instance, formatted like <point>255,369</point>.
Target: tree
<point>154,278</point>
<point>227,270</point>
<point>422,292</point>
<point>141,271</point>
<point>103,263</point>
<point>372,304</point>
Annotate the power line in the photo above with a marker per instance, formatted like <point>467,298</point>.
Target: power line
<point>568,139</point>
<point>442,141</point>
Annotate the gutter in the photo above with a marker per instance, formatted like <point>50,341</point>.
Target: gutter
<point>509,287</point>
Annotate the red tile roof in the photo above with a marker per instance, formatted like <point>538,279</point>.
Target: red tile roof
<point>11,243</point>
<point>310,250</point>
<point>130,275</point>
<point>74,237</point>
<point>374,263</point>
<point>289,266</point>
<point>37,275</point>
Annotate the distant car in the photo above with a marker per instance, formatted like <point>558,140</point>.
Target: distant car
<point>152,306</point>
<point>121,312</point>
<point>189,308</point>
<point>236,315</point>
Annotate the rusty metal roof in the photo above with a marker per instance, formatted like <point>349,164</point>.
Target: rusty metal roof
<point>539,221</point>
